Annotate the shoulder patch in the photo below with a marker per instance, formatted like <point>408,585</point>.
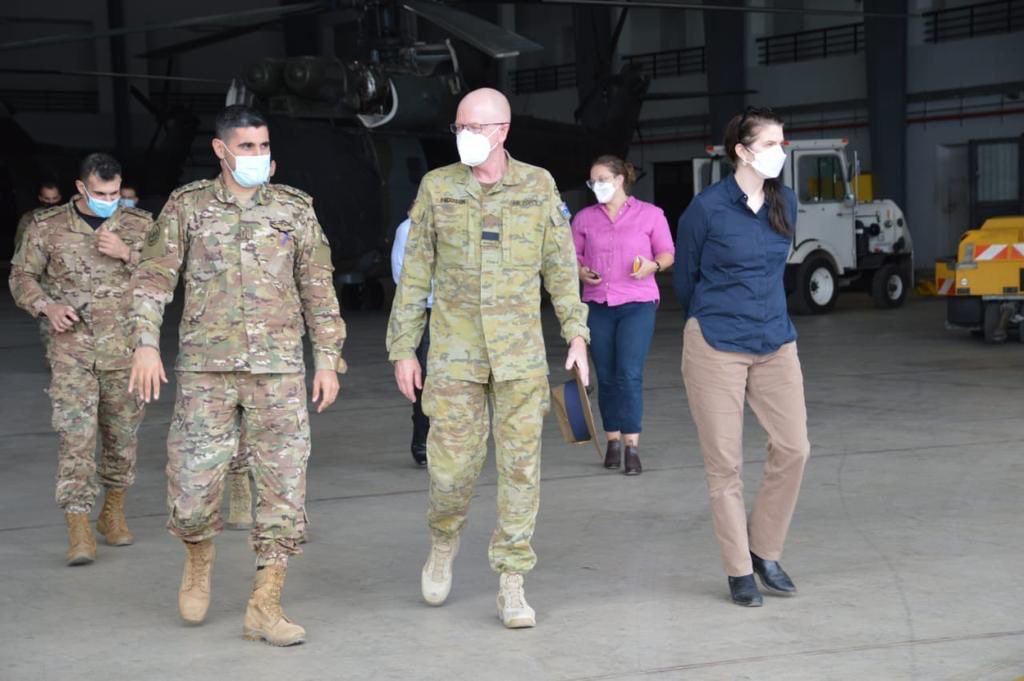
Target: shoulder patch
<point>156,242</point>
<point>292,191</point>
<point>47,213</point>
<point>564,210</point>
<point>190,187</point>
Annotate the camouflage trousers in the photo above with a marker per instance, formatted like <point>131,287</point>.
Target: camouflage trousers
<point>210,410</point>
<point>87,402</point>
<point>457,449</point>
<point>240,464</point>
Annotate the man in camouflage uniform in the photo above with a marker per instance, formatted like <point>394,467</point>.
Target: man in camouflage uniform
<point>255,261</point>
<point>75,269</point>
<point>486,231</point>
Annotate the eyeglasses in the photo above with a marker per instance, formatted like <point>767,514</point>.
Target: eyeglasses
<point>476,128</point>
<point>591,183</point>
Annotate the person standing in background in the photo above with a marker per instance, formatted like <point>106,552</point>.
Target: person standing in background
<point>420,421</point>
<point>621,243</point>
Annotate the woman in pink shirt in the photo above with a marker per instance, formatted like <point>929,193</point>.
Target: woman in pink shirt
<point>621,243</point>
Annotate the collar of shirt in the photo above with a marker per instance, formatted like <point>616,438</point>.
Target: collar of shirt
<point>224,195</point>
<point>77,220</point>
<point>735,192</point>
<point>512,177</point>
<point>626,208</point>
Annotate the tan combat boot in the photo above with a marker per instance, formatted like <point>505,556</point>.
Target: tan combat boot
<point>239,502</point>
<point>264,618</point>
<point>111,522</point>
<point>194,594</point>
<point>513,610</point>
<point>81,541</point>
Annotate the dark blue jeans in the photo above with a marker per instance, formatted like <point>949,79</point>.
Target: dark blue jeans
<point>620,337</point>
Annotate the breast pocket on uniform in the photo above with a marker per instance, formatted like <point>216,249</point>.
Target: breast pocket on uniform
<point>523,234</point>
<point>274,248</point>
<point>207,258</point>
<point>451,224</point>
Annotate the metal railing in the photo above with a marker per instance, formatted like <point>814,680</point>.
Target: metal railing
<point>64,101</point>
<point>985,18</point>
<point>544,78</point>
<point>816,44</point>
<point>669,63</point>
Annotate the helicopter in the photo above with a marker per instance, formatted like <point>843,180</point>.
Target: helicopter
<point>359,128</point>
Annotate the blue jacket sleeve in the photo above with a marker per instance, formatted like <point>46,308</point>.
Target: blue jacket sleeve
<point>690,236</point>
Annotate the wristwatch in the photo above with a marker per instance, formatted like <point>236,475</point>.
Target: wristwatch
<point>658,265</point>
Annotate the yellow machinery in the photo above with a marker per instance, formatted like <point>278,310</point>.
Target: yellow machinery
<point>984,284</point>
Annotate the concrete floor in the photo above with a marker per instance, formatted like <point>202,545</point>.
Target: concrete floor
<point>905,544</point>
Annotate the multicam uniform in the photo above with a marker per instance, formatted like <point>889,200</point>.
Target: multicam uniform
<point>251,273</point>
<point>486,252</point>
<point>60,263</point>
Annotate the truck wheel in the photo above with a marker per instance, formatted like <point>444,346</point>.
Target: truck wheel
<point>991,330</point>
<point>889,286</point>
<point>816,286</point>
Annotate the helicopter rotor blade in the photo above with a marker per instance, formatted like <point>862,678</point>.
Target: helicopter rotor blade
<point>491,39</point>
<point>675,4</point>
<point>111,74</point>
<point>227,19</point>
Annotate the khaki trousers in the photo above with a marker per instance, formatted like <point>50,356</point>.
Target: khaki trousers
<point>716,384</point>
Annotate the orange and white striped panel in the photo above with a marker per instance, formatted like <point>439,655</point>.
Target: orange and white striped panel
<point>1017,252</point>
<point>945,286</point>
<point>983,252</point>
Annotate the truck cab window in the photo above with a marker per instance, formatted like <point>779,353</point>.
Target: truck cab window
<point>820,178</point>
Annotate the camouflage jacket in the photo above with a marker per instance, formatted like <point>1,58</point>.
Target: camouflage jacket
<point>251,273</point>
<point>487,253</point>
<point>59,263</point>
<point>26,219</point>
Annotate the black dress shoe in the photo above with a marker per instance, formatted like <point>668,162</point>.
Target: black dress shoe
<point>773,577</point>
<point>613,455</point>
<point>744,591</point>
<point>419,452</point>
<point>633,466</point>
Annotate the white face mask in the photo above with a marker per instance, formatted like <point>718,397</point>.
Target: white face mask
<point>474,148</point>
<point>250,171</point>
<point>604,191</point>
<point>768,163</point>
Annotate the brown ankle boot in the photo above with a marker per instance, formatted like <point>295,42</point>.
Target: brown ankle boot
<point>194,594</point>
<point>633,466</point>
<point>111,523</point>
<point>613,455</point>
<point>239,502</point>
<point>264,618</point>
<point>81,541</point>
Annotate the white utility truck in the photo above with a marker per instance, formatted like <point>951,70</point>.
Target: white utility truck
<point>840,240</point>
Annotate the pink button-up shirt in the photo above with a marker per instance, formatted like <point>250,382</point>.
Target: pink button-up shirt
<point>609,248</point>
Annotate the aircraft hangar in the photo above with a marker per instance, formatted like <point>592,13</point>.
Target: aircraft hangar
<point>299,291</point>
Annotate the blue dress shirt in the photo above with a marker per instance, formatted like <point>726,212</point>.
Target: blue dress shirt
<point>729,268</point>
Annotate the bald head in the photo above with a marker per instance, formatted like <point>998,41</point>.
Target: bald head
<point>484,106</point>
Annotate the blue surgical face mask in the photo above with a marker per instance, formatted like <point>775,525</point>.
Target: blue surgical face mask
<point>250,171</point>
<point>129,203</point>
<point>103,209</point>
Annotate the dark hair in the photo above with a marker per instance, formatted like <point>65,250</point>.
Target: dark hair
<point>618,167</point>
<point>48,184</point>
<point>103,166</point>
<point>128,184</point>
<point>743,129</point>
<point>238,116</point>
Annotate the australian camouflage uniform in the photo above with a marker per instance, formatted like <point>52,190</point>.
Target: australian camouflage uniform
<point>487,250</point>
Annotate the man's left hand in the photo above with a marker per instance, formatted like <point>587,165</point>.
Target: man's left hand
<point>577,357</point>
<point>325,388</point>
<point>110,244</point>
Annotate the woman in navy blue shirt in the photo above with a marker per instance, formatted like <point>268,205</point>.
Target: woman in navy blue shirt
<point>739,344</point>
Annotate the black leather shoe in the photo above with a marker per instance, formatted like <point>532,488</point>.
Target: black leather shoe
<point>613,455</point>
<point>744,591</point>
<point>633,466</point>
<point>773,577</point>
<point>419,452</point>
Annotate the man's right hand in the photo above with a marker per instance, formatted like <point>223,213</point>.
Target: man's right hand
<point>62,317</point>
<point>147,373</point>
<point>409,377</point>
